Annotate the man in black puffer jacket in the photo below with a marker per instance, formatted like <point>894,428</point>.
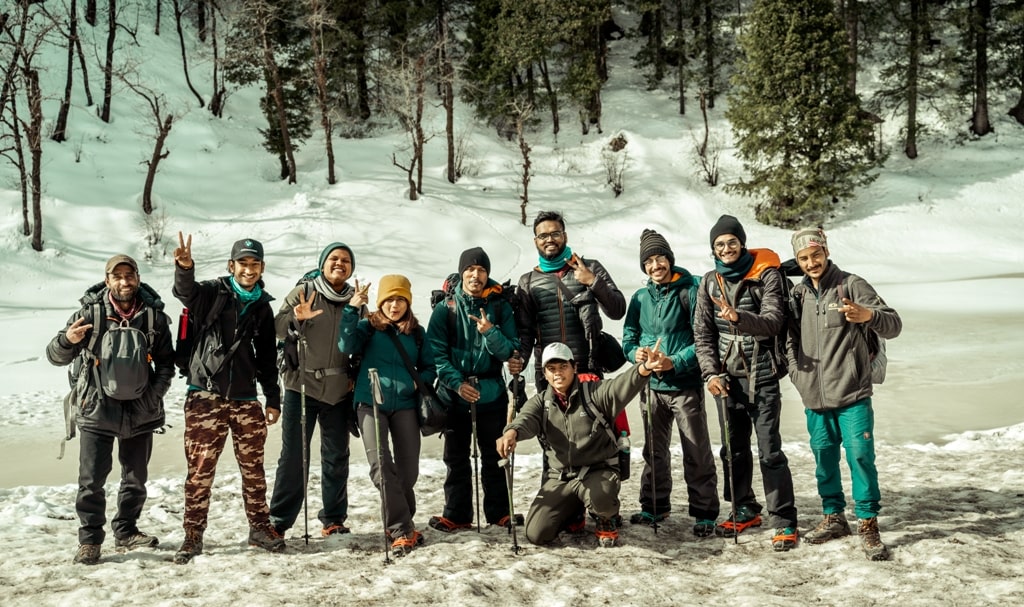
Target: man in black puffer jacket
<point>121,300</point>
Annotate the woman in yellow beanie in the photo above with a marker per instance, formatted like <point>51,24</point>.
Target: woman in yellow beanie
<point>373,338</point>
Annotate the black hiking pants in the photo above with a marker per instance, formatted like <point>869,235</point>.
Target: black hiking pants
<point>95,461</point>
<point>459,492</point>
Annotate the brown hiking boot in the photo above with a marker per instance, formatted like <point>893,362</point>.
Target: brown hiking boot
<point>267,538</point>
<point>870,540</point>
<point>831,527</point>
<point>88,554</point>
<point>191,547</point>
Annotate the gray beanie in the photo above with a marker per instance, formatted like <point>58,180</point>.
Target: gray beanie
<point>652,243</point>
<point>327,251</point>
<point>808,237</point>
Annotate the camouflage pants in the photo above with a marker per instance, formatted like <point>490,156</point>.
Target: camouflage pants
<point>208,419</point>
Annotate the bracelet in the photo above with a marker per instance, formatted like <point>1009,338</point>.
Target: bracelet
<point>644,365</point>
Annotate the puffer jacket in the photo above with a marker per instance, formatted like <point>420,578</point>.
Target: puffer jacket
<point>326,378</point>
<point>255,360</point>
<point>659,312</point>
<point>467,353</point>
<point>573,439</point>
<point>829,361</point>
<point>94,411</point>
<point>546,314</point>
<point>742,348</point>
<point>358,337</point>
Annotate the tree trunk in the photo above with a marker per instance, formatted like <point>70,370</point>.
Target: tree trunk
<point>90,12</point>
<point>35,146</point>
<point>276,92</point>
<point>85,71</point>
<point>201,8</point>
<point>982,17</point>
<point>552,95</point>
<point>19,162</point>
<point>8,87</point>
<point>158,155</point>
<point>851,17</point>
<point>709,58</point>
<point>108,64</point>
<point>317,17</point>
<point>681,54</point>
<point>524,177</point>
<point>419,138</point>
<point>184,56</point>
<point>60,127</point>
<point>219,92</point>
<point>447,89</point>
<point>913,69</point>
<point>159,14</point>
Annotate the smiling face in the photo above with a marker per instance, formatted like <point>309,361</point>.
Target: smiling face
<point>247,271</point>
<point>123,283</point>
<point>813,261</point>
<point>474,279</point>
<point>727,248</point>
<point>658,268</point>
<point>394,308</point>
<point>550,238</point>
<point>337,268</point>
<point>560,374</point>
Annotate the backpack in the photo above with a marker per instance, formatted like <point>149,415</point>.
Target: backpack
<point>123,365</point>
<point>189,331</point>
<point>595,414</point>
<point>446,294</point>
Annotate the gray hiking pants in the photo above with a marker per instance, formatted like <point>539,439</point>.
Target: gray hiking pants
<point>399,461</point>
<point>559,500</point>
<point>686,409</point>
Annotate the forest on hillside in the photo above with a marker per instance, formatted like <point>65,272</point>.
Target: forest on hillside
<point>790,73</point>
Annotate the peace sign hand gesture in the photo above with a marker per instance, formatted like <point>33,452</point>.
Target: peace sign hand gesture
<point>361,296</point>
<point>727,311</point>
<point>855,313</point>
<point>581,272</point>
<point>304,310</point>
<point>76,332</point>
<point>483,324</point>
<point>183,254</point>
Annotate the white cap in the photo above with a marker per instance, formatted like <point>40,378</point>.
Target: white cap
<point>555,351</point>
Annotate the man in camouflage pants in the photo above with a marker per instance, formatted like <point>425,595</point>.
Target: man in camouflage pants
<point>222,378</point>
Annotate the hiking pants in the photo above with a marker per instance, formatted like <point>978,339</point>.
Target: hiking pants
<point>286,500</point>
<point>762,418</point>
<point>459,491</point>
<point>686,409</point>
<point>208,419</point>
<point>559,501</point>
<point>95,461</point>
<point>851,427</point>
<point>399,462</point>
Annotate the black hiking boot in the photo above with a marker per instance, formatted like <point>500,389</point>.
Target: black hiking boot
<point>191,547</point>
<point>88,554</point>
<point>646,518</point>
<point>831,527</point>
<point>606,532</point>
<point>745,519</point>
<point>871,541</point>
<point>136,540</point>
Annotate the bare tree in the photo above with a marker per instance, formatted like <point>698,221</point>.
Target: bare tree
<point>707,151</point>
<point>981,21</point>
<point>265,13</point>
<point>522,113</point>
<point>405,90</point>
<point>913,76</point>
<point>184,55</point>
<point>316,21</point>
<point>219,90</point>
<point>447,75</point>
<point>162,120</point>
<point>108,62</point>
<point>90,12</point>
<point>60,127</point>
<point>34,135</point>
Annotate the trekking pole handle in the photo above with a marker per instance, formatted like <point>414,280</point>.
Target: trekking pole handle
<point>375,391</point>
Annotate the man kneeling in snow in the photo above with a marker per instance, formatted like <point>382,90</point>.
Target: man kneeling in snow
<point>571,422</point>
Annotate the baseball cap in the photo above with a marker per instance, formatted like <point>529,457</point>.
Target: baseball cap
<point>247,248</point>
<point>117,260</point>
<point>555,351</point>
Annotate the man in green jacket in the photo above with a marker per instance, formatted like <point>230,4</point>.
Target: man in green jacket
<point>580,447</point>
<point>472,332</point>
<point>662,312</point>
<point>830,365</point>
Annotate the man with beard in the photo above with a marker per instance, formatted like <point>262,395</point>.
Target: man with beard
<point>559,299</point>
<point>308,323</point>
<point>232,353</point>
<point>472,333</point>
<point>120,302</point>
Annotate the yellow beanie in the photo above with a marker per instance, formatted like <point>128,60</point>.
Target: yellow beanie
<point>393,285</point>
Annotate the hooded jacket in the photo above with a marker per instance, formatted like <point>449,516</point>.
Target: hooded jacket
<point>255,360</point>
<point>829,361</point>
<point>659,312</point>
<point>467,352</point>
<point>94,411</point>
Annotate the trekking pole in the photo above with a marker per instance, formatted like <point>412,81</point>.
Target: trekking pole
<point>305,437</point>
<point>650,441</point>
<point>723,414</point>
<point>509,465</point>
<point>473,381</point>
<point>378,400</point>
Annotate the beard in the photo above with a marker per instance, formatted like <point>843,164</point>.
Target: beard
<point>124,295</point>
<point>552,256</point>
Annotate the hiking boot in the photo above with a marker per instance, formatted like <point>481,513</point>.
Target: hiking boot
<point>704,527</point>
<point>606,533</point>
<point>404,544</point>
<point>785,538</point>
<point>871,541</point>
<point>88,554</point>
<point>267,538</point>
<point>333,529</point>
<point>646,518</point>
<point>191,547</point>
<point>136,540</point>
<point>447,525</point>
<point>504,521</point>
<point>745,519</point>
<point>576,525</point>
<point>831,527</point>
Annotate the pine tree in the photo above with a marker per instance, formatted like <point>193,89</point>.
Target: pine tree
<point>799,128</point>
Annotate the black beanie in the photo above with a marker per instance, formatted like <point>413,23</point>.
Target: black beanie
<point>727,224</point>
<point>652,243</point>
<point>474,257</point>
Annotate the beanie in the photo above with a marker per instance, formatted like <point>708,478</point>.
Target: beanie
<point>727,224</point>
<point>474,257</point>
<point>327,251</point>
<point>393,285</point>
<point>808,237</point>
<point>652,243</point>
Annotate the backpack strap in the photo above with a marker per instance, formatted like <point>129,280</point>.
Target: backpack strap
<point>409,366</point>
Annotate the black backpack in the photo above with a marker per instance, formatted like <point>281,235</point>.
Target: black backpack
<point>189,330</point>
<point>447,292</point>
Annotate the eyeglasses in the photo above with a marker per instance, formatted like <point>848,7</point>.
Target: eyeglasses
<point>556,235</point>
<point>654,260</point>
<point>728,244</point>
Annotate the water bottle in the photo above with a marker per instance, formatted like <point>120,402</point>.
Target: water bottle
<point>623,444</point>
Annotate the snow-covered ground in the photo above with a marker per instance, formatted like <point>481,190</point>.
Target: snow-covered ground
<point>939,237</point>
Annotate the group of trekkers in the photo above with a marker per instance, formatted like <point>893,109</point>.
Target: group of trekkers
<point>735,332</point>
